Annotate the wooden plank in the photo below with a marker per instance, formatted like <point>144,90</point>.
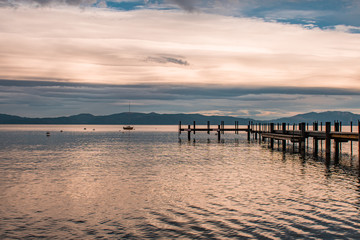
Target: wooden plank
<point>215,129</point>
<point>316,134</point>
<point>344,136</point>
<point>281,137</point>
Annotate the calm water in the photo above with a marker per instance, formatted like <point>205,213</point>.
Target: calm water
<point>103,183</point>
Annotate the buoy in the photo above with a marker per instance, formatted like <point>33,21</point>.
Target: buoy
<point>47,133</point>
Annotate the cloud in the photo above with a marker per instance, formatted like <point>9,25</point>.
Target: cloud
<point>110,47</point>
<point>48,98</point>
<point>188,5</point>
<point>324,14</point>
<point>47,2</point>
<point>167,59</point>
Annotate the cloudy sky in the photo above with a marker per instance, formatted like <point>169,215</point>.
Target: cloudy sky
<point>249,58</point>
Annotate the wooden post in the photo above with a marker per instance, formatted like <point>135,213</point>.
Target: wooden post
<point>340,141</point>
<point>327,141</point>
<point>259,132</point>
<point>208,127</point>
<point>315,139</point>
<point>179,127</point>
<point>271,139</point>
<point>337,145</point>
<point>194,127</point>
<point>321,141</point>
<point>189,132</point>
<point>248,132</point>
<point>307,139</point>
<point>222,126</point>
<point>284,141</point>
<point>302,138</point>
<point>219,133</point>
<point>293,135</point>
<point>256,131</point>
<point>252,128</point>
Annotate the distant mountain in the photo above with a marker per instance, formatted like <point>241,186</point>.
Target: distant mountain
<point>126,118</point>
<point>173,119</point>
<point>330,116</point>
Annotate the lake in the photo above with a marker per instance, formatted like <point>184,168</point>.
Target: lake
<point>103,182</point>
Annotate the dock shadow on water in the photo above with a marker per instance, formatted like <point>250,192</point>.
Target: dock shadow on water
<point>149,185</point>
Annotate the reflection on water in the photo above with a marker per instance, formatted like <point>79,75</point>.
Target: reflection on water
<point>145,184</point>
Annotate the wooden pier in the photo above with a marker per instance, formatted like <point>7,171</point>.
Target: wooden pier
<point>299,134</point>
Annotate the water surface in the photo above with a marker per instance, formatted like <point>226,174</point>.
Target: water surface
<point>106,183</point>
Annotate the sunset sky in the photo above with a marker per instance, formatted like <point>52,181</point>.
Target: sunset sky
<point>262,59</point>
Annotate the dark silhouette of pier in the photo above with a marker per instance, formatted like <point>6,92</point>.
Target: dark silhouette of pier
<point>284,133</point>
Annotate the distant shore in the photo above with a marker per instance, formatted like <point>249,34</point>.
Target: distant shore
<point>174,119</point>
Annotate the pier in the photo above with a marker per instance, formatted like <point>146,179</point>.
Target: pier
<point>299,134</point>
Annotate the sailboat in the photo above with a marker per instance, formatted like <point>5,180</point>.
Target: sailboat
<point>128,127</point>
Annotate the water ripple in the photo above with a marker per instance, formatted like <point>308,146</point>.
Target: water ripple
<point>147,185</point>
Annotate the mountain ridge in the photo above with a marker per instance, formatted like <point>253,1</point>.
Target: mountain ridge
<point>172,119</point>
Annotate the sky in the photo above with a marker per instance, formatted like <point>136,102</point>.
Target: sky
<point>262,59</point>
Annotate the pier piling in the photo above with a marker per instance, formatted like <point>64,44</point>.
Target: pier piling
<point>284,141</point>
<point>219,133</point>
<point>189,132</point>
<point>302,138</point>
<point>315,140</point>
<point>336,143</point>
<point>281,134</point>
<point>327,141</point>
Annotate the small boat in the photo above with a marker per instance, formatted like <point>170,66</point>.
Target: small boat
<point>128,128</point>
<point>47,134</point>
